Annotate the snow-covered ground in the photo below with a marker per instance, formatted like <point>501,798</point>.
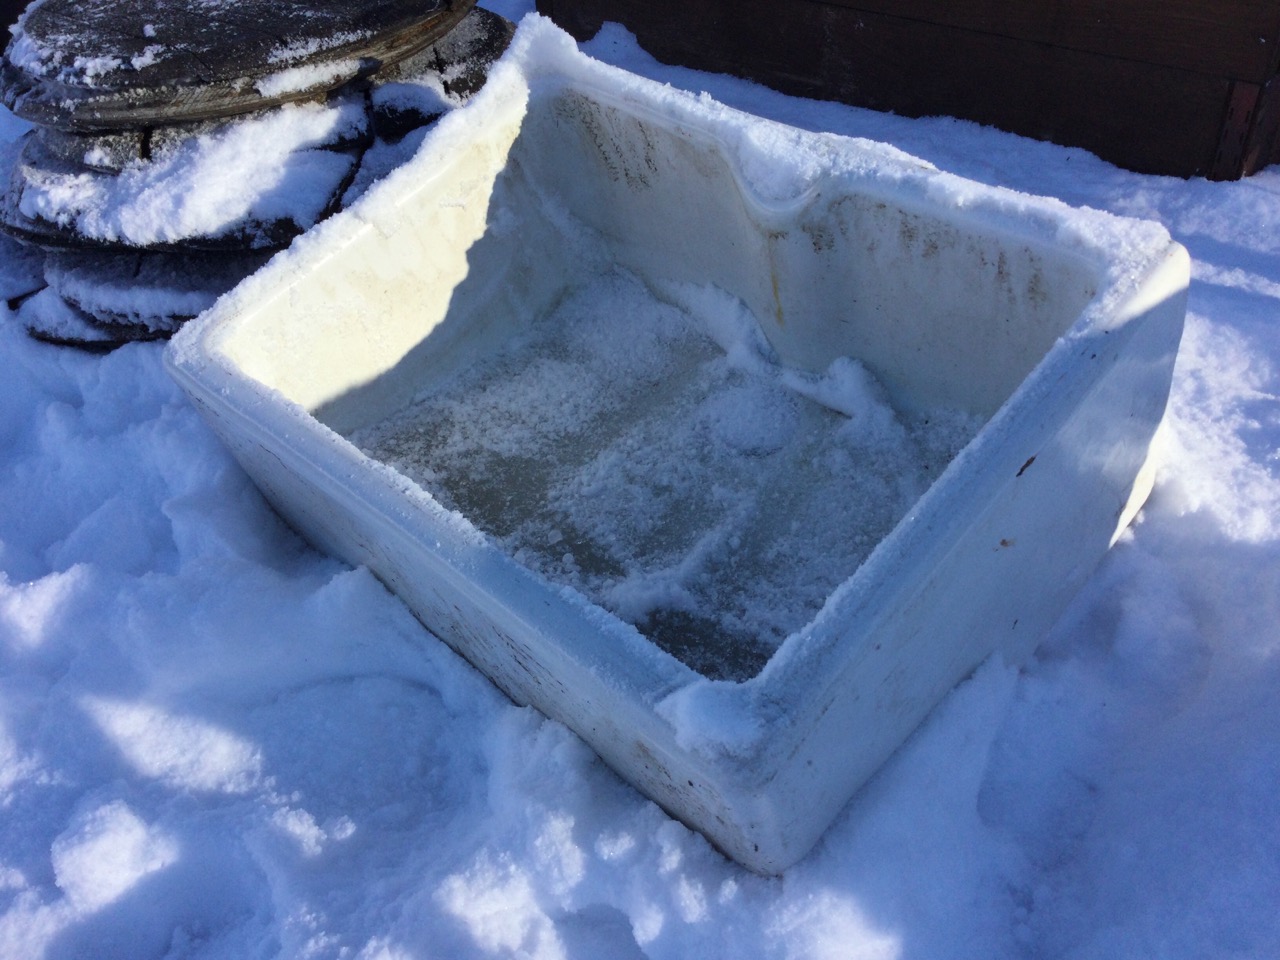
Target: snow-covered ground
<point>217,743</point>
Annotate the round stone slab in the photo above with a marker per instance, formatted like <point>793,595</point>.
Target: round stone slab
<point>49,318</point>
<point>145,295</point>
<point>21,271</point>
<point>105,65</point>
<point>292,164</point>
<point>103,301</point>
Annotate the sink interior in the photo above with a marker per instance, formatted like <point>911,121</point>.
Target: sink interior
<point>647,449</point>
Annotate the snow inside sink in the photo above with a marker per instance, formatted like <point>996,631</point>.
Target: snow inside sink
<point>732,447</point>
<point>651,454</point>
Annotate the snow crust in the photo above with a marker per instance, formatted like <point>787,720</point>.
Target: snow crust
<point>217,743</point>
<point>303,49</point>
<point>51,316</point>
<point>294,80</point>
<point>48,57</point>
<point>247,174</point>
<point>26,54</point>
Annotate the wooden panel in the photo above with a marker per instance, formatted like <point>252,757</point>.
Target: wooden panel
<point>1230,38</point>
<point>9,11</point>
<point>1149,118</point>
<point>1238,39</point>
<point>1263,145</point>
<point>1237,128</point>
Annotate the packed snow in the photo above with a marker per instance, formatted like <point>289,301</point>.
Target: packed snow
<point>216,742</point>
<point>294,80</point>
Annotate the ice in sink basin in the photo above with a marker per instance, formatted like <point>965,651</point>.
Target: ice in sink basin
<point>652,454</point>
<point>731,446</point>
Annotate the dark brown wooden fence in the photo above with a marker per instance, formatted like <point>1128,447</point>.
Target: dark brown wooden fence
<point>9,10</point>
<point>1182,87</point>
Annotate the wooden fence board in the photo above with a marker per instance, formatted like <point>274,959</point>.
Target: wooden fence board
<point>1263,144</point>
<point>1146,117</point>
<point>1239,39</point>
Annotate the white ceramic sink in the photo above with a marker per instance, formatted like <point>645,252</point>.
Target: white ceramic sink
<point>731,446</point>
